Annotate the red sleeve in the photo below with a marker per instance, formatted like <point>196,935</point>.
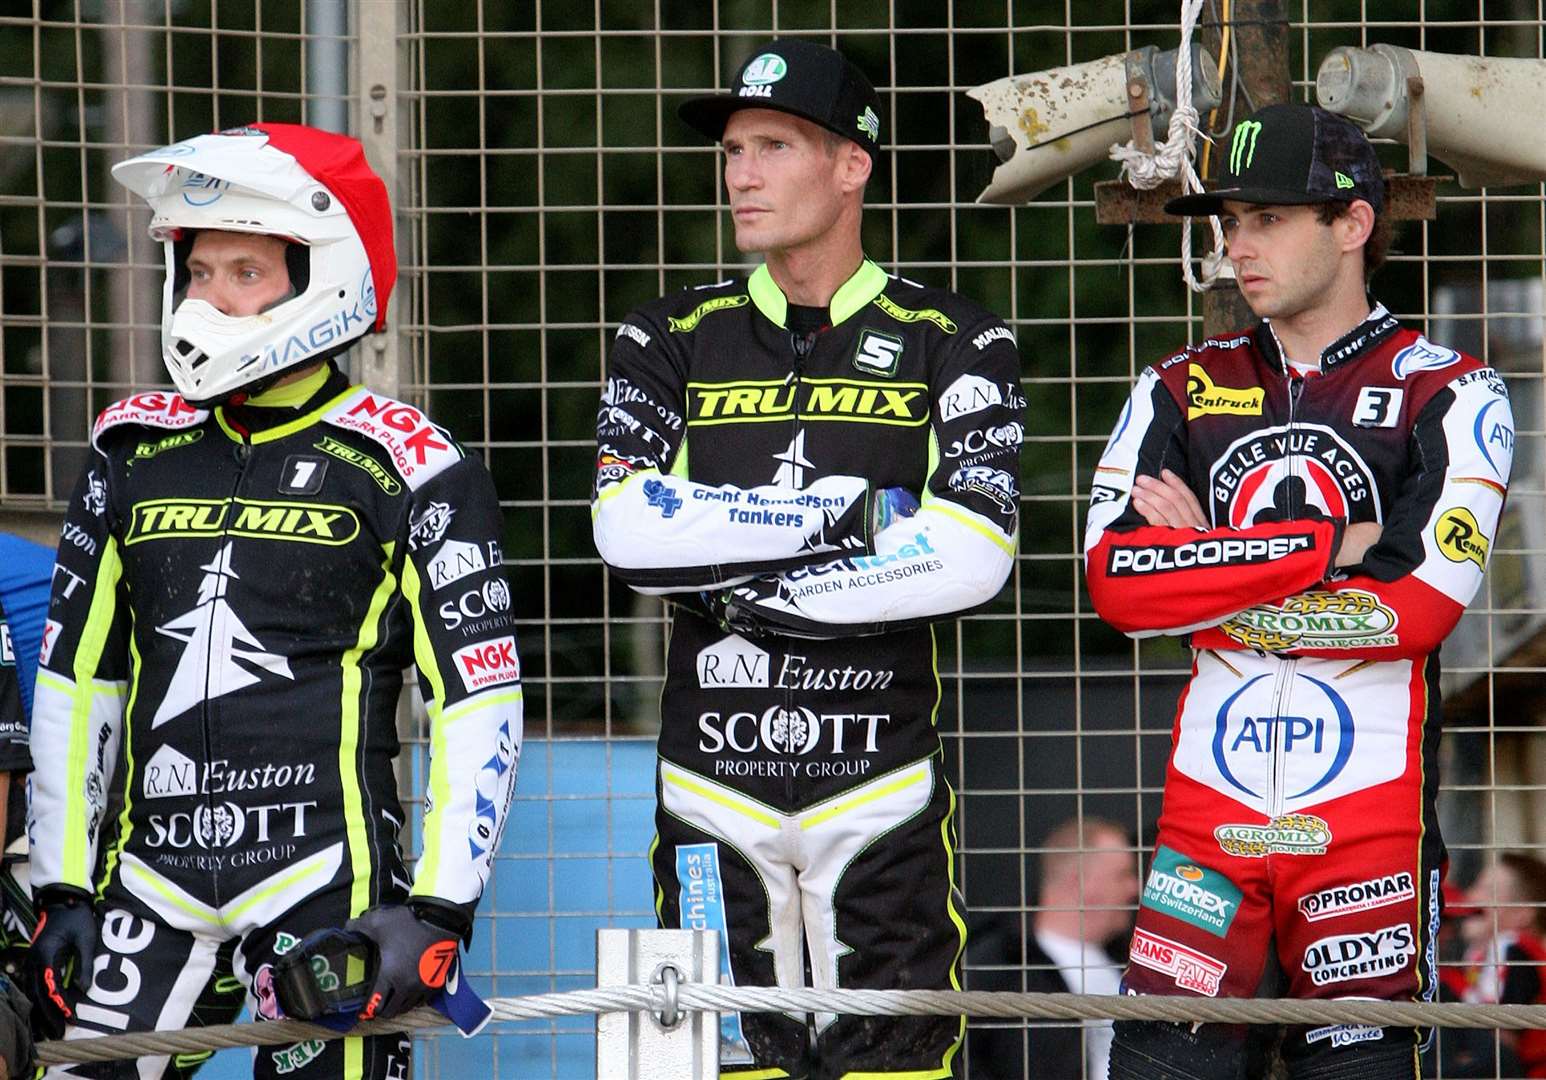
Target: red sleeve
<point>1161,580</point>
<point>1145,579</point>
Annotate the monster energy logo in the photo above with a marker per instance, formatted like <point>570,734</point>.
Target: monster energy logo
<point>1242,150</point>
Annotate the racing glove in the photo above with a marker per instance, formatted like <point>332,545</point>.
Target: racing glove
<point>63,948</point>
<point>416,944</point>
<point>891,505</point>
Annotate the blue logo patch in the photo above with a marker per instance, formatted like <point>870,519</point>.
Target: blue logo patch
<point>1316,737</point>
<point>482,834</point>
<point>1495,436</point>
<point>368,295</point>
<point>1422,355</point>
<point>663,498</point>
<point>202,190</point>
<point>702,905</point>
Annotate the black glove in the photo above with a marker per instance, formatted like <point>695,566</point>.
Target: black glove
<point>63,948</point>
<point>416,945</point>
<point>15,1036</point>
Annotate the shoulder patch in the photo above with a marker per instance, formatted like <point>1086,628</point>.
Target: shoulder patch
<point>635,334</point>
<point>418,448</point>
<point>708,307</point>
<point>154,408</point>
<point>1422,355</point>
<point>908,315</point>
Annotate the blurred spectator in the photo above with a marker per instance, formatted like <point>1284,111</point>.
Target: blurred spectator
<point>1506,947</point>
<point>1502,928</point>
<point>1088,885</point>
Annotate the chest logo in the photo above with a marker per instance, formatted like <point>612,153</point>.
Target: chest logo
<point>220,655</point>
<point>878,353</point>
<point>1314,736</point>
<point>1279,473</point>
<point>855,401</point>
<point>1205,398</point>
<point>310,523</point>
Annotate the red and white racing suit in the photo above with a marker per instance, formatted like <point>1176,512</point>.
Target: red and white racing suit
<point>1299,798</point>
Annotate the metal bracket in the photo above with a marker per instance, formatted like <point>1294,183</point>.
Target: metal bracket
<point>1139,104</point>
<point>683,1045</point>
<point>1416,127</point>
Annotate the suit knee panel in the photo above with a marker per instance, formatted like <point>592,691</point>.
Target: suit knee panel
<point>1156,1050</point>
<point>1363,1062</point>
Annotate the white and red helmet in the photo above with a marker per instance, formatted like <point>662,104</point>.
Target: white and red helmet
<point>311,187</point>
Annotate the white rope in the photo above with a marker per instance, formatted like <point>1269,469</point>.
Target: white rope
<point>1173,157</point>
<point>707,998</point>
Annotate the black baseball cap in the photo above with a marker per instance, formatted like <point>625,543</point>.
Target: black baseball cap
<point>1291,155</point>
<point>797,77</point>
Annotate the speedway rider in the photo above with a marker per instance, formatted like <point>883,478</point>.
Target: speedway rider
<point>762,441</point>
<point>1312,501</point>
<point>246,568</point>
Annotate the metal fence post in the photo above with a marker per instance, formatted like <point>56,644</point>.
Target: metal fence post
<point>649,1046</point>
<point>378,101</point>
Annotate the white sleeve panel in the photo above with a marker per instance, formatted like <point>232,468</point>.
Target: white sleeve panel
<point>943,560</point>
<point>475,747</point>
<point>1462,524</point>
<point>651,522</point>
<point>76,728</point>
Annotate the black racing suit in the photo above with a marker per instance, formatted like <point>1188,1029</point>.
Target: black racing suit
<point>237,596</point>
<point>802,805</point>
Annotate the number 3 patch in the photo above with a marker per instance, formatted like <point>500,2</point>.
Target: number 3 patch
<point>302,475</point>
<point>1378,406</point>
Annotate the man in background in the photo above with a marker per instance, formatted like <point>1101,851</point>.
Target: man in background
<point>1088,882</point>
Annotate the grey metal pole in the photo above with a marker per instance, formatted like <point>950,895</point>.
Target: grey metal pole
<point>1261,52</point>
<point>327,64</point>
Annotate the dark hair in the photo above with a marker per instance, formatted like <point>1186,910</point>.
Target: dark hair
<point>1530,876</point>
<point>1376,247</point>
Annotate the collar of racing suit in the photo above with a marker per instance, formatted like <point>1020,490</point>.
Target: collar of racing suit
<point>1378,326</point>
<point>241,422</point>
<point>867,282</point>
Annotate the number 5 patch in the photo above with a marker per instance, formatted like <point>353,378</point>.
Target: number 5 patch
<point>1378,406</point>
<point>878,354</point>
<point>302,475</point>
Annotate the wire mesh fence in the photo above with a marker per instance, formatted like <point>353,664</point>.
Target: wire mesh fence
<point>545,188</point>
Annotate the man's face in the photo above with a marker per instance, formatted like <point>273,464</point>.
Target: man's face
<point>1109,886</point>
<point>1496,892</point>
<point>239,274</point>
<point>784,178</point>
<point>1285,259</point>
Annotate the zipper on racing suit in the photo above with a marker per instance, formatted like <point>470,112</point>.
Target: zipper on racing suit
<point>1295,390</point>
<point>801,345</point>
<point>1278,734</point>
<point>1284,679</point>
<point>242,452</point>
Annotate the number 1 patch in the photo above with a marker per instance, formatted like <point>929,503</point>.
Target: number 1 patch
<point>302,475</point>
<point>878,353</point>
<point>1378,406</point>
